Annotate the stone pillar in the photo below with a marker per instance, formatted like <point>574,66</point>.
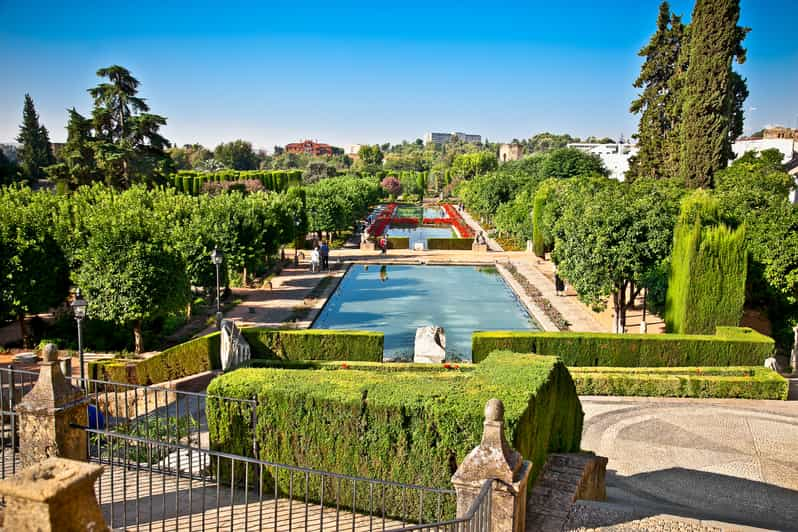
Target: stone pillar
<point>495,459</point>
<point>55,495</point>
<point>47,413</point>
<point>794,354</point>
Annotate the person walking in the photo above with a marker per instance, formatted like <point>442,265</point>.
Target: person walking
<point>384,245</point>
<point>324,252</point>
<point>314,259</point>
<point>559,284</point>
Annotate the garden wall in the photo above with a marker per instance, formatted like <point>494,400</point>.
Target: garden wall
<point>729,346</point>
<point>403,422</point>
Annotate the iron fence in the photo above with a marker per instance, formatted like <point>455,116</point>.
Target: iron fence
<point>162,474</point>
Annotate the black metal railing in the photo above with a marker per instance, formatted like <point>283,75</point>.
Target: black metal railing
<point>161,474</point>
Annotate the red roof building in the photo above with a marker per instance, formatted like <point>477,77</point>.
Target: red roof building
<point>310,147</point>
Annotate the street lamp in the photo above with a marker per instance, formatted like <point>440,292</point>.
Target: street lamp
<point>297,223</point>
<point>216,259</point>
<point>79,309</point>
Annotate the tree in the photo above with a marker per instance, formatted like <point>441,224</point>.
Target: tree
<point>32,265</point>
<point>78,153</point>
<point>369,158</point>
<point>563,163</point>
<point>602,252</point>
<point>9,171</point>
<point>543,142</point>
<point>656,103</point>
<point>237,155</point>
<point>189,156</point>
<point>709,94</point>
<point>469,165</point>
<point>36,152</point>
<point>128,146</point>
<point>392,186</point>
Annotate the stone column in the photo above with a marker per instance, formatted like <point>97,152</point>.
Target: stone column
<point>47,415</point>
<point>55,495</point>
<point>495,459</point>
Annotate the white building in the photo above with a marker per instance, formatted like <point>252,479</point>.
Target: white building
<point>787,146</point>
<point>443,138</point>
<point>614,156</point>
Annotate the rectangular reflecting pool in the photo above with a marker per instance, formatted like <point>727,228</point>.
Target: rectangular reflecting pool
<point>397,299</point>
<point>421,233</point>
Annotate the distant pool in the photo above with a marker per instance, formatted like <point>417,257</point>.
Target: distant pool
<point>421,233</point>
<point>397,299</point>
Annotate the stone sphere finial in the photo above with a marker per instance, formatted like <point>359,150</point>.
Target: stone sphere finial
<point>50,353</point>
<point>494,410</point>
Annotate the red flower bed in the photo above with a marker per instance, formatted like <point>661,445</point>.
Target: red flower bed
<point>382,221</point>
<point>457,221</point>
<point>437,221</point>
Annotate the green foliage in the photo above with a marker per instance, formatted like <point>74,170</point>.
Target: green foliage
<point>657,104</point>
<point>708,95</point>
<point>406,424</point>
<point>237,155</point>
<point>470,165</point>
<point>462,244</point>
<point>334,204</point>
<point>35,152</point>
<point>398,242</point>
<point>369,158</point>
<point>564,163</point>
<point>189,358</point>
<point>729,382</point>
<point>709,264</point>
<point>730,346</point>
<point>315,344</point>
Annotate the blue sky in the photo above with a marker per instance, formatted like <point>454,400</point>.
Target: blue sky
<point>273,72</point>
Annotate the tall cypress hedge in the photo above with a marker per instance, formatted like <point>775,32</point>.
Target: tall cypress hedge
<point>709,265</point>
<point>408,424</point>
<point>538,242</point>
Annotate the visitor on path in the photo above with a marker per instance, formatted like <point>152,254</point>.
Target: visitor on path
<point>559,284</point>
<point>324,252</point>
<point>314,259</point>
<point>384,245</point>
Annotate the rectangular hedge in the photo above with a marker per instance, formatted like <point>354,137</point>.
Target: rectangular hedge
<point>461,244</point>
<point>729,346</point>
<point>315,344</point>
<point>189,358</point>
<point>398,242</point>
<point>407,423</point>
<point>739,382</point>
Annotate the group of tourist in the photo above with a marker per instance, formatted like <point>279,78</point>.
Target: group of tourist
<point>320,257</point>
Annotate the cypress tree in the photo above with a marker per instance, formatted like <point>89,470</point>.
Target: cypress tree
<point>656,103</point>
<point>708,93</point>
<point>36,152</point>
<point>78,153</point>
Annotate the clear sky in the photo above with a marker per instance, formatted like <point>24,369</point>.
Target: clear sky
<point>345,72</point>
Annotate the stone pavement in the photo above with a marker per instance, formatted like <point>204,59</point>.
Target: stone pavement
<point>676,461</point>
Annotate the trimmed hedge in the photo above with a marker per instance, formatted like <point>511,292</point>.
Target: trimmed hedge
<point>189,358</point>
<point>398,242</point>
<point>387,421</point>
<point>730,346</point>
<point>739,382</point>
<point>315,344</point>
<point>460,244</point>
<point>191,181</point>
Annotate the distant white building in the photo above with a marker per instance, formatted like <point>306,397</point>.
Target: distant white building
<point>614,156</point>
<point>787,146</point>
<point>443,138</point>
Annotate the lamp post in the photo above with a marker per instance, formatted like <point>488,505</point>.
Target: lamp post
<point>216,259</point>
<point>297,223</point>
<point>79,308</point>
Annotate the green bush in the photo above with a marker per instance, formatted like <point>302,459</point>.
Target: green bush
<point>411,425</point>
<point>740,382</point>
<point>462,244</point>
<point>315,344</point>
<point>709,265</point>
<point>398,242</point>
<point>730,346</point>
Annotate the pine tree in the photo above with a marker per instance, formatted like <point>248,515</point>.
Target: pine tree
<point>707,95</point>
<point>656,103</point>
<point>78,153</point>
<point>36,152</point>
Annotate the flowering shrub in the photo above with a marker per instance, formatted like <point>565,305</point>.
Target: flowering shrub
<point>392,186</point>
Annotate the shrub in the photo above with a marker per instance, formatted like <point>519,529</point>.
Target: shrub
<point>730,346</point>
<point>315,344</point>
<point>398,242</point>
<point>462,244</point>
<point>709,265</point>
<point>410,425</point>
<point>739,382</point>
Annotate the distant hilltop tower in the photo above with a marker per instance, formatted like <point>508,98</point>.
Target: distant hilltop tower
<point>510,152</point>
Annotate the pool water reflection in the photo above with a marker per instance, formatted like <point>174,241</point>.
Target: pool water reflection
<point>397,299</point>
